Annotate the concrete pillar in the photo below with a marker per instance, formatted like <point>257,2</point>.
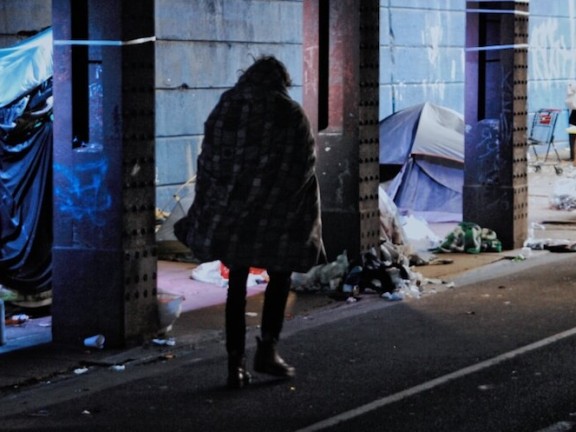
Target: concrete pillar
<point>496,180</point>
<point>341,86</point>
<point>104,268</point>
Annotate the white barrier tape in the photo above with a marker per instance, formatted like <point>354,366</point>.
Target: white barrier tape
<point>497,47</point>
<point>105,42</point>
<point>499,11</point>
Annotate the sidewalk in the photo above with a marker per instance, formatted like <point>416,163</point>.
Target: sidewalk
<point>203,311</point>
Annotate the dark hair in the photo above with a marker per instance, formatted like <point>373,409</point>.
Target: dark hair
<point>267,71</point>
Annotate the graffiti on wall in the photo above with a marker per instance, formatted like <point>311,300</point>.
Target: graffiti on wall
<point>488,153</point>
<point>436,71</point>
<point>552,56</point>
<point>431,37</point>
<point>424,62</point>
<point>81,193</point>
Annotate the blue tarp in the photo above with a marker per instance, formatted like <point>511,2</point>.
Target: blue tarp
<point>25,66</point>
<point>26,165</point>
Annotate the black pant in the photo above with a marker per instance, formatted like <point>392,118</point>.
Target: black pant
<point>572,137</point>
<point>275,298</point>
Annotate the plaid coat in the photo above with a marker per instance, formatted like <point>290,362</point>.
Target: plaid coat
<point>257,200</point>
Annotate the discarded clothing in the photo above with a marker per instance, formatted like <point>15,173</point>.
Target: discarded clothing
<point>322,277</point>
<point>470,238</point>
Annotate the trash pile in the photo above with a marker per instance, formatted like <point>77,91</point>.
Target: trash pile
<point>406,242</point>
<point>385,272</point>
<point>536,241</point>
<point>469,237</point>
<point>564,194</point>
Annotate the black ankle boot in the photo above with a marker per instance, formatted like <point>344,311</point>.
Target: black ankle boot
<point>268,361</point>
<point>238,376</point>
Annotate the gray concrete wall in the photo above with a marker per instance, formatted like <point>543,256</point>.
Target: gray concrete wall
<point>552,56</point>
<point>422,55</point>
<point>20,18</point>
<point>201,46</point>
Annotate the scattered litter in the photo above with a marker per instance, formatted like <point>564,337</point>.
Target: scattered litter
<point>80,371</point>
<point>414,291</point>
<point>251,314</point>
<point>434,281</point>
<point>324,277</point>
<point>86,412</point>
<point>419,234</point>
<point>164,341</point>
<point>564,194</point>
<point>216,273</point>
<point>351,300</point>
<point>537,242</point>
<point>118,368</point>
<point>485,387</point>
<point>209,272</point>
<point>96,341</point>
<point>438,261</point>
<point>169,309</point>
<point>392,296</point>
<point>470,238</point>
<point>17,320</point>
<point>561,246</point>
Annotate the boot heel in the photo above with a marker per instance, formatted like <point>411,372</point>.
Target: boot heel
<point>238,379</point>
<point>268,361</point>
<point>238,376</point>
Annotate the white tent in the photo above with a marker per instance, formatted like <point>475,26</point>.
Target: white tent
<point>427,142</point>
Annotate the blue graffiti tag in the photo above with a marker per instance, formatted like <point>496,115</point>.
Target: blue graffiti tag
<point>82,194</point>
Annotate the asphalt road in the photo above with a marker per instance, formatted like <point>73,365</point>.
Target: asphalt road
<point>495,353</point>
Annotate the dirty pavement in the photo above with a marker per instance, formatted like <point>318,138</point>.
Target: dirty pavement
<point>200,322</point>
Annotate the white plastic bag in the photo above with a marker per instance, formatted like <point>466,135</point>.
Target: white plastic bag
<point>564,194</point>
<point>209,272</point>
<point>420,235</point>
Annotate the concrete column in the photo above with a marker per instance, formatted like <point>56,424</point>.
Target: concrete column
<point>341,85</point>
<point>496,180</point>
<point>104,267</point>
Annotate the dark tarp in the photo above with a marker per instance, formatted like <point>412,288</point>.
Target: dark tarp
<point>26,169</point>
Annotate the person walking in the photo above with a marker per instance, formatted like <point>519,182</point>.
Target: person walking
<point>571,105</point>
<point>257,204</point>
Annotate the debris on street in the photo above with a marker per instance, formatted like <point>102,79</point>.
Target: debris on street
<point>564,194</point>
